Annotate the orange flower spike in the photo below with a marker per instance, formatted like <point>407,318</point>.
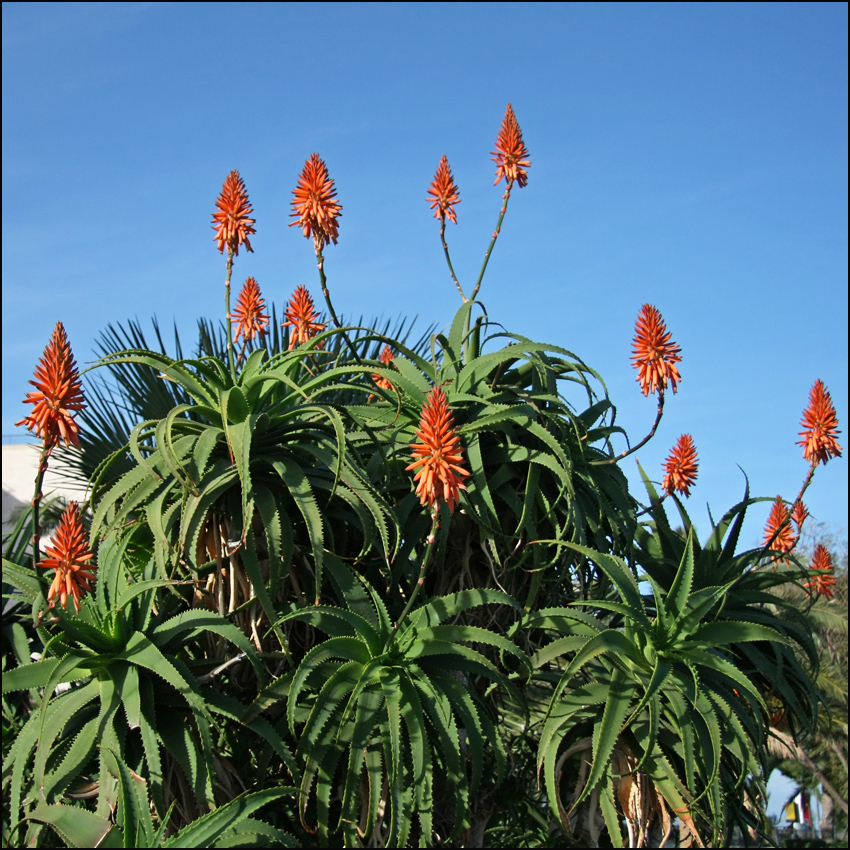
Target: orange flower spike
<point>823,583</point>
<point>314,203</point>
<point>654,355</point>
<point>511,154</point>
<point>249,318</point>
<point>301,315</point>
<point>785,540</point>
<point>69,555</point>
<point>439,454</point>
<point>799,514</point>
<point>386,357</point>
<point>681,467</point>
<point>820,425</point>
<point>444,192</point>
<point>231,222</point>
<point>58,394</point>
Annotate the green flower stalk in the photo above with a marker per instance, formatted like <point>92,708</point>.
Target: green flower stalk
<point>232,227</point>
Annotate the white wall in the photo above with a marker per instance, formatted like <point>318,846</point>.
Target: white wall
<point>20,464</point>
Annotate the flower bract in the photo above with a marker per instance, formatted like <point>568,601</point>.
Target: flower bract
<point>231,221</point>
<point>314,203</point>
<point>69,555</point>
<point>301,316</point>
<point>444,192</point>
<point>511,154</point>
<point>654,355</point>
<point>820,427</point>
<point>799,514</point>
<point>823,581</point>
<point>681,467</point>
<point>438,453</point>
<point>249,317</point>
<point>58,393</point>
<point>778,530</point>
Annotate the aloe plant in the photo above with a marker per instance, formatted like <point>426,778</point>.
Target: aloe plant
<point>391,591</point>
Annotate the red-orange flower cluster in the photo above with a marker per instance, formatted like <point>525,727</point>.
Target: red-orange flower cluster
<point>249,319</point>
<point>314,203</point>
<point>822,583</point>
<point>779,521</point>
<point>681,467</point>
<point>301,315</point>
<point>386,357</point>
<point>820,425</point>
<point>799,514</point>
<point>444,192</point>
<point>231,223</point>
<point>439,453</point>
<point>69,555</point>
<point>511,154</point>
<point>58,393</point>
<point>654,354</point>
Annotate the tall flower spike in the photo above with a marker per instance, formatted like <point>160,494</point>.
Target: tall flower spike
<point>822,583</point>
<point>314,203</point>
<point>444,192</point>
<point>820,425</point>
<point>249,318</point>
<point>58,394</point>
<point>681,467</point>
<point>386,357</point>
<point>511,154</point>
<point>231,222</point>
<point>69,555</point>
<point>654,355</point>
<point>439,454</point>
<point>785,540</point>
<point>301,315</point>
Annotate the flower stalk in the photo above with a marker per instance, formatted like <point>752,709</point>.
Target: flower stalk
<point>444,197</point>
<point>232,225</point>
<point>57,397</point>
<point>449,260</point>
<point>511,158</point>
<point>659,412</point>
<point>36,501</point>
<point>496,232</point>
<point>426,559</point>
<point>317,213</point>
<point>229,324</point>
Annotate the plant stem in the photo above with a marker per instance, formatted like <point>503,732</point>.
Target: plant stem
<point>449,259</point>
<point>435,525</point>
<point>505,199</point>
<point>324,283</point>
<point>806,482</point>
<point>46,449</point>
<point>229,324</point>
<point>658,414</point>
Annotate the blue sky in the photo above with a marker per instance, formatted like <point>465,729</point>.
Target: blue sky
<point>689,156</point>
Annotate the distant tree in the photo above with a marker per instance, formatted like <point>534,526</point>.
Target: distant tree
<point>820,759</point>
